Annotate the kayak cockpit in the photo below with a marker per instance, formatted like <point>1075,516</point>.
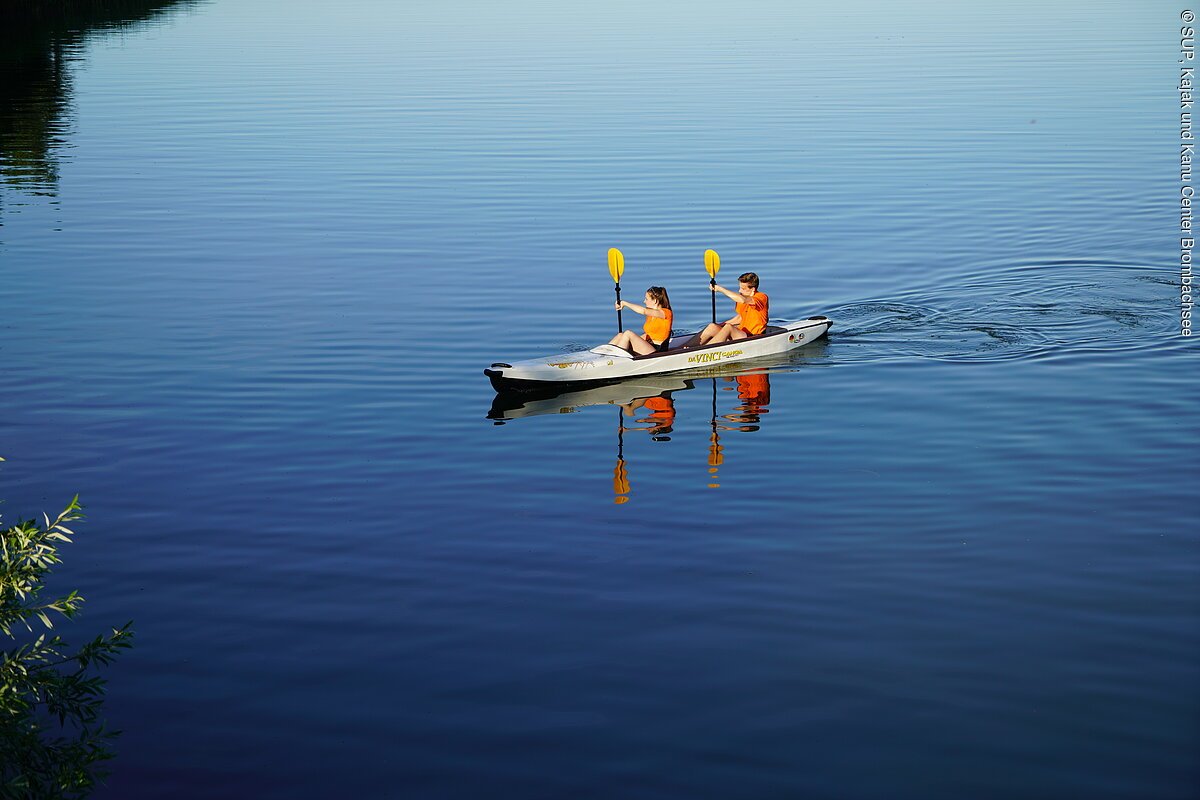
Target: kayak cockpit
<point>692,342</point>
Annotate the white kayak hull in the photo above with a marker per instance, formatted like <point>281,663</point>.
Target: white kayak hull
<point>610,363</point>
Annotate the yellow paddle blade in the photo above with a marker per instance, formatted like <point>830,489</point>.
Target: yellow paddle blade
<point>712,263</point>
<point>620,479</point>
<point>616,264</point>
<point>715,452</point>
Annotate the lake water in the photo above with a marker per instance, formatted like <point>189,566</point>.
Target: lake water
<point>255,255</point>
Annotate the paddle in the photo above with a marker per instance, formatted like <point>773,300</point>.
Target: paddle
<point>620,474</point>
<point>616,266</point>
<point>712,263</point>
<point>715,458</point>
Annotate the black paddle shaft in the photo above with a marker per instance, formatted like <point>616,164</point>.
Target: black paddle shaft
<point>713,283</point>
<point>620,327</point>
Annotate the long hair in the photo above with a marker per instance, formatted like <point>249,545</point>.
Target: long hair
<point>659,295</point>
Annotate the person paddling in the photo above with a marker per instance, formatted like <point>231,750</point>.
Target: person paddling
<point>750,318</point>
<point>657,329</point>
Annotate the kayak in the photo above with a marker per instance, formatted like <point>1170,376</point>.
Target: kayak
<point>608,362</point>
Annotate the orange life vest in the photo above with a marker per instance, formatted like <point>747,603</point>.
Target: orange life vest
<point>754,389</point>
<point>754,317</point>
<point>662,411</point>
<point>658,329</point>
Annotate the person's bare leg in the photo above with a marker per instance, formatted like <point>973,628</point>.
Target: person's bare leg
<point>723,335</point>
<point>737,333</point>
<point>622,339</point>
<point>640,346</point>
<point>628,340</point>
<point>711,330</point>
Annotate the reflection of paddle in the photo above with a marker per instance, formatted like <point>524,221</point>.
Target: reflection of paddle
<point>712,263</point>
<point>616,266</point>
<point>715,459</point>
<point>620,474</point>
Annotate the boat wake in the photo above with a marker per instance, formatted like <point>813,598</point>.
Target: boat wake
<point>1028,311</point>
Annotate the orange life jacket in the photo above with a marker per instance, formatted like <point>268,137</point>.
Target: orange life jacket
<point>662,410</point>
<point>754,317</point>
<point>754,388</point>
<point>659,329</point>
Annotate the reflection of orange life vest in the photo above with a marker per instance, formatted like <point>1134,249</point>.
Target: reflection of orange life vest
<point>659,330</point>
<point>662,411</point>
<point>754,317</point>
<point>754,388</point>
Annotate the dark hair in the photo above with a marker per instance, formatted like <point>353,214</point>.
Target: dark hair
<point>750,278</point>
<point>659,294</point>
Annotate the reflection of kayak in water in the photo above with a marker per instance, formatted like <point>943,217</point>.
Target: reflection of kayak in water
<point>531,404</point>
<point>608,362</point>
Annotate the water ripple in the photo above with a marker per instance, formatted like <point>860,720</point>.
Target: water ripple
<point>1031,310</point>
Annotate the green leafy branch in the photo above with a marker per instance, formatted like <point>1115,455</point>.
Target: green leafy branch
<point>52,737</point>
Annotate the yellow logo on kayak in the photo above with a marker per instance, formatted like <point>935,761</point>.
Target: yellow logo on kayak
<point>708,358</point>
<point>570,364</point>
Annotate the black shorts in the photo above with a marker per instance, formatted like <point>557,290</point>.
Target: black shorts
<point>662,348</point>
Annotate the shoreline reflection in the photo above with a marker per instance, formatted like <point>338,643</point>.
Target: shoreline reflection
<point>38,43</point>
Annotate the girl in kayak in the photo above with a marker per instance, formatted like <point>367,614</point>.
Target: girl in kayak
<point>657,329</point>
<point>751,316</point>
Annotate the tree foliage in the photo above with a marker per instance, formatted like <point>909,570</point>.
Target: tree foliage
<point>52,738</point>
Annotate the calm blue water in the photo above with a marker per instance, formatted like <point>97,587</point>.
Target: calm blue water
<point>255,255</point>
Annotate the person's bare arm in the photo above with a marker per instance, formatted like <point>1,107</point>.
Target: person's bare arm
<point>648,312</point>
<point>734,296</point>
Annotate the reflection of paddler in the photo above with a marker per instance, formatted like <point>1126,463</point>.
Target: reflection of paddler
<point>754,388</point>
<point>662,414</point>
<point>660,419</point>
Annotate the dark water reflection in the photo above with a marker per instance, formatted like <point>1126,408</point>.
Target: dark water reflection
<point>38,42</point>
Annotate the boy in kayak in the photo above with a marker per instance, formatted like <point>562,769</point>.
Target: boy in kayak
<point>750,317</point>
<point>657,329</point>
